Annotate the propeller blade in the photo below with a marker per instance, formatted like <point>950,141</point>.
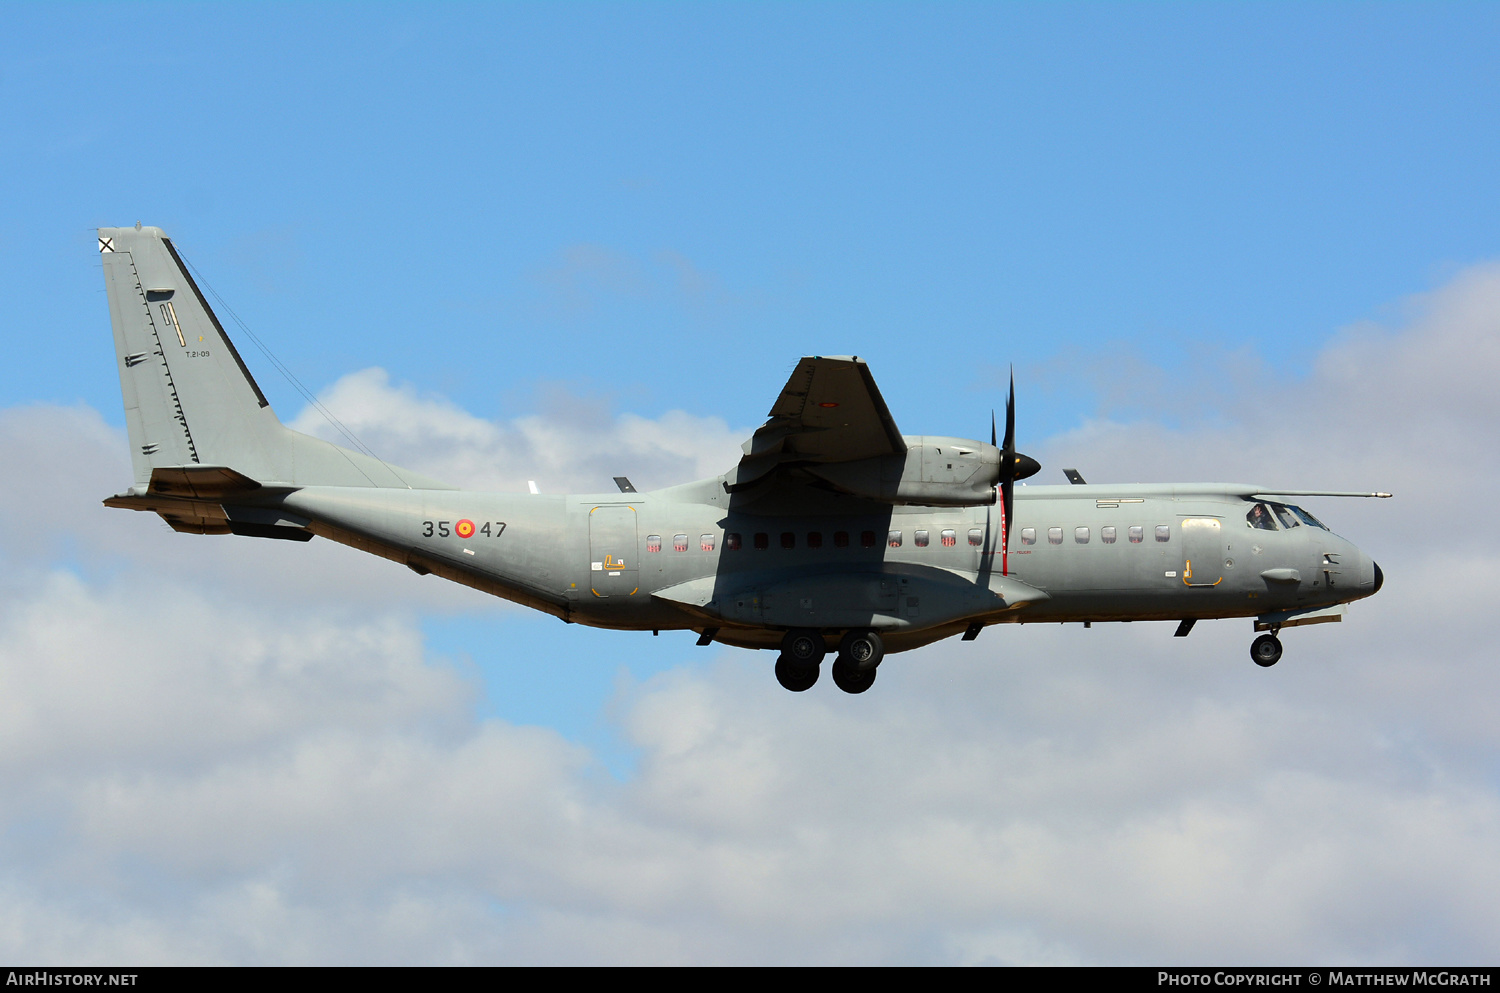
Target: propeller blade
<point>1010,414</point>
<point>1008,498</point>
<point>1013,466</point>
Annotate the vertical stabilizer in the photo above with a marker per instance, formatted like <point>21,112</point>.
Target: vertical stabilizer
<point>189,399</point>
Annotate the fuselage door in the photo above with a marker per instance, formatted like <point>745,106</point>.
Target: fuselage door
<point>613,566</point>
<point>1202,551</point>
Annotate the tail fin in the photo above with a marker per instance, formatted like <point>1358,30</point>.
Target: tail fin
<point>189,399</point>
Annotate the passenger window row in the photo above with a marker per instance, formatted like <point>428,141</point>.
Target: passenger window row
<point>1107,534</point>
<point>706,542</point>
<point>733,541</point>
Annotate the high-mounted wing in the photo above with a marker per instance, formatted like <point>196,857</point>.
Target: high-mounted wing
<point>829,411</point>
<point>831,430</point>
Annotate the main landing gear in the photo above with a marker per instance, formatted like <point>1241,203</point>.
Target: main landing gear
<point>802,650</point>
<point>1266,650</point>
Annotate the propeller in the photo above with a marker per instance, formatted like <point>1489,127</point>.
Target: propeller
<point>1013,465</point>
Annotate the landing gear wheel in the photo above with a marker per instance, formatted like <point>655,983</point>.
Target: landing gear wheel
<point>851,680</point>
<point>803,647</point>
<point>861,650</point>
<point>795,676</point>
<point>1266,650</point>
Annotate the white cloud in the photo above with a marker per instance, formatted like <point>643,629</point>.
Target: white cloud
<point>578,448</point>
<point>194,768</point>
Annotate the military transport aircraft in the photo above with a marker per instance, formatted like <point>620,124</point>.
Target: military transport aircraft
<point>835,532</point>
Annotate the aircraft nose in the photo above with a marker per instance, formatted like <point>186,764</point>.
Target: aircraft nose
<point>1379,578</point>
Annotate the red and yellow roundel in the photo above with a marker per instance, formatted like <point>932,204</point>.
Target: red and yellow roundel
<point>464,528</point>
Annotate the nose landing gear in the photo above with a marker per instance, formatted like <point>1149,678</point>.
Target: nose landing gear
<point>1266,650</point>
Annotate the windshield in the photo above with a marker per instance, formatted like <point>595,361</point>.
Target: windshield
<point>1309,518</point>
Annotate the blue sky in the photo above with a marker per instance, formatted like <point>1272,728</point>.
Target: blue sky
<point>944,188</point>
<point>1215,240</point>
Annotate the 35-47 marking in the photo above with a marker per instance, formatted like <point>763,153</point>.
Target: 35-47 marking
<point>463,529</point>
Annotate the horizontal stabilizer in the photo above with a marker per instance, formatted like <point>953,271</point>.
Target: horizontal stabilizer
<point>203,482</point>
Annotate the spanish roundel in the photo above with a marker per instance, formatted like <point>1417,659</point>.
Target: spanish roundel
<point>464,528</point>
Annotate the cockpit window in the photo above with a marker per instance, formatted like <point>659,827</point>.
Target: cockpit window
<point>1260,517</point>
<point>1309,518</point>
<point>1285,516</point>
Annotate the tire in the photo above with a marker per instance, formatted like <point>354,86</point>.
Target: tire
<point>803,646</point>
<point>795,676</point>
<point>862,650</point>
<point>1266,650</point>
<point>850,679</point>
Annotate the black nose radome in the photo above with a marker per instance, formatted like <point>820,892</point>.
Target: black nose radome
<point>1379,577</point>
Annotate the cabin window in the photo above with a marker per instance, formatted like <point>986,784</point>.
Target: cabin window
<point>1028,536</point>
<point>1107,534</point>
<point>867,539</point>
<point>762,540</point>
<point>893,539</point>
<point>949,537</point>
<point>1260,517</point>
<point>1054,536</point>
<point>653,542</point>
<point>1081,535</point>
<point>921,539</point>
<point>679,542</point>
<point>1164,532</point>
<point>788,539</point>
<point>1137,534</point>
<point>1284,516</point>
<point>976,537</point>
<point>815,539</point>
<point>706,542</point>
<point>841,539</point>
<point>1310,519</point>
<point>732,542</point>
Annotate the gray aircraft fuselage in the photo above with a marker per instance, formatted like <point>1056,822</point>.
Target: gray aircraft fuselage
<point>587,558</point>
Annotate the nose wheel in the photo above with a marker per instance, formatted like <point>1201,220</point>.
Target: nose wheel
<point>1266,650</point>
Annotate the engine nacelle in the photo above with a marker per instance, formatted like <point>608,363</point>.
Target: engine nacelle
<point>934,472</point>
